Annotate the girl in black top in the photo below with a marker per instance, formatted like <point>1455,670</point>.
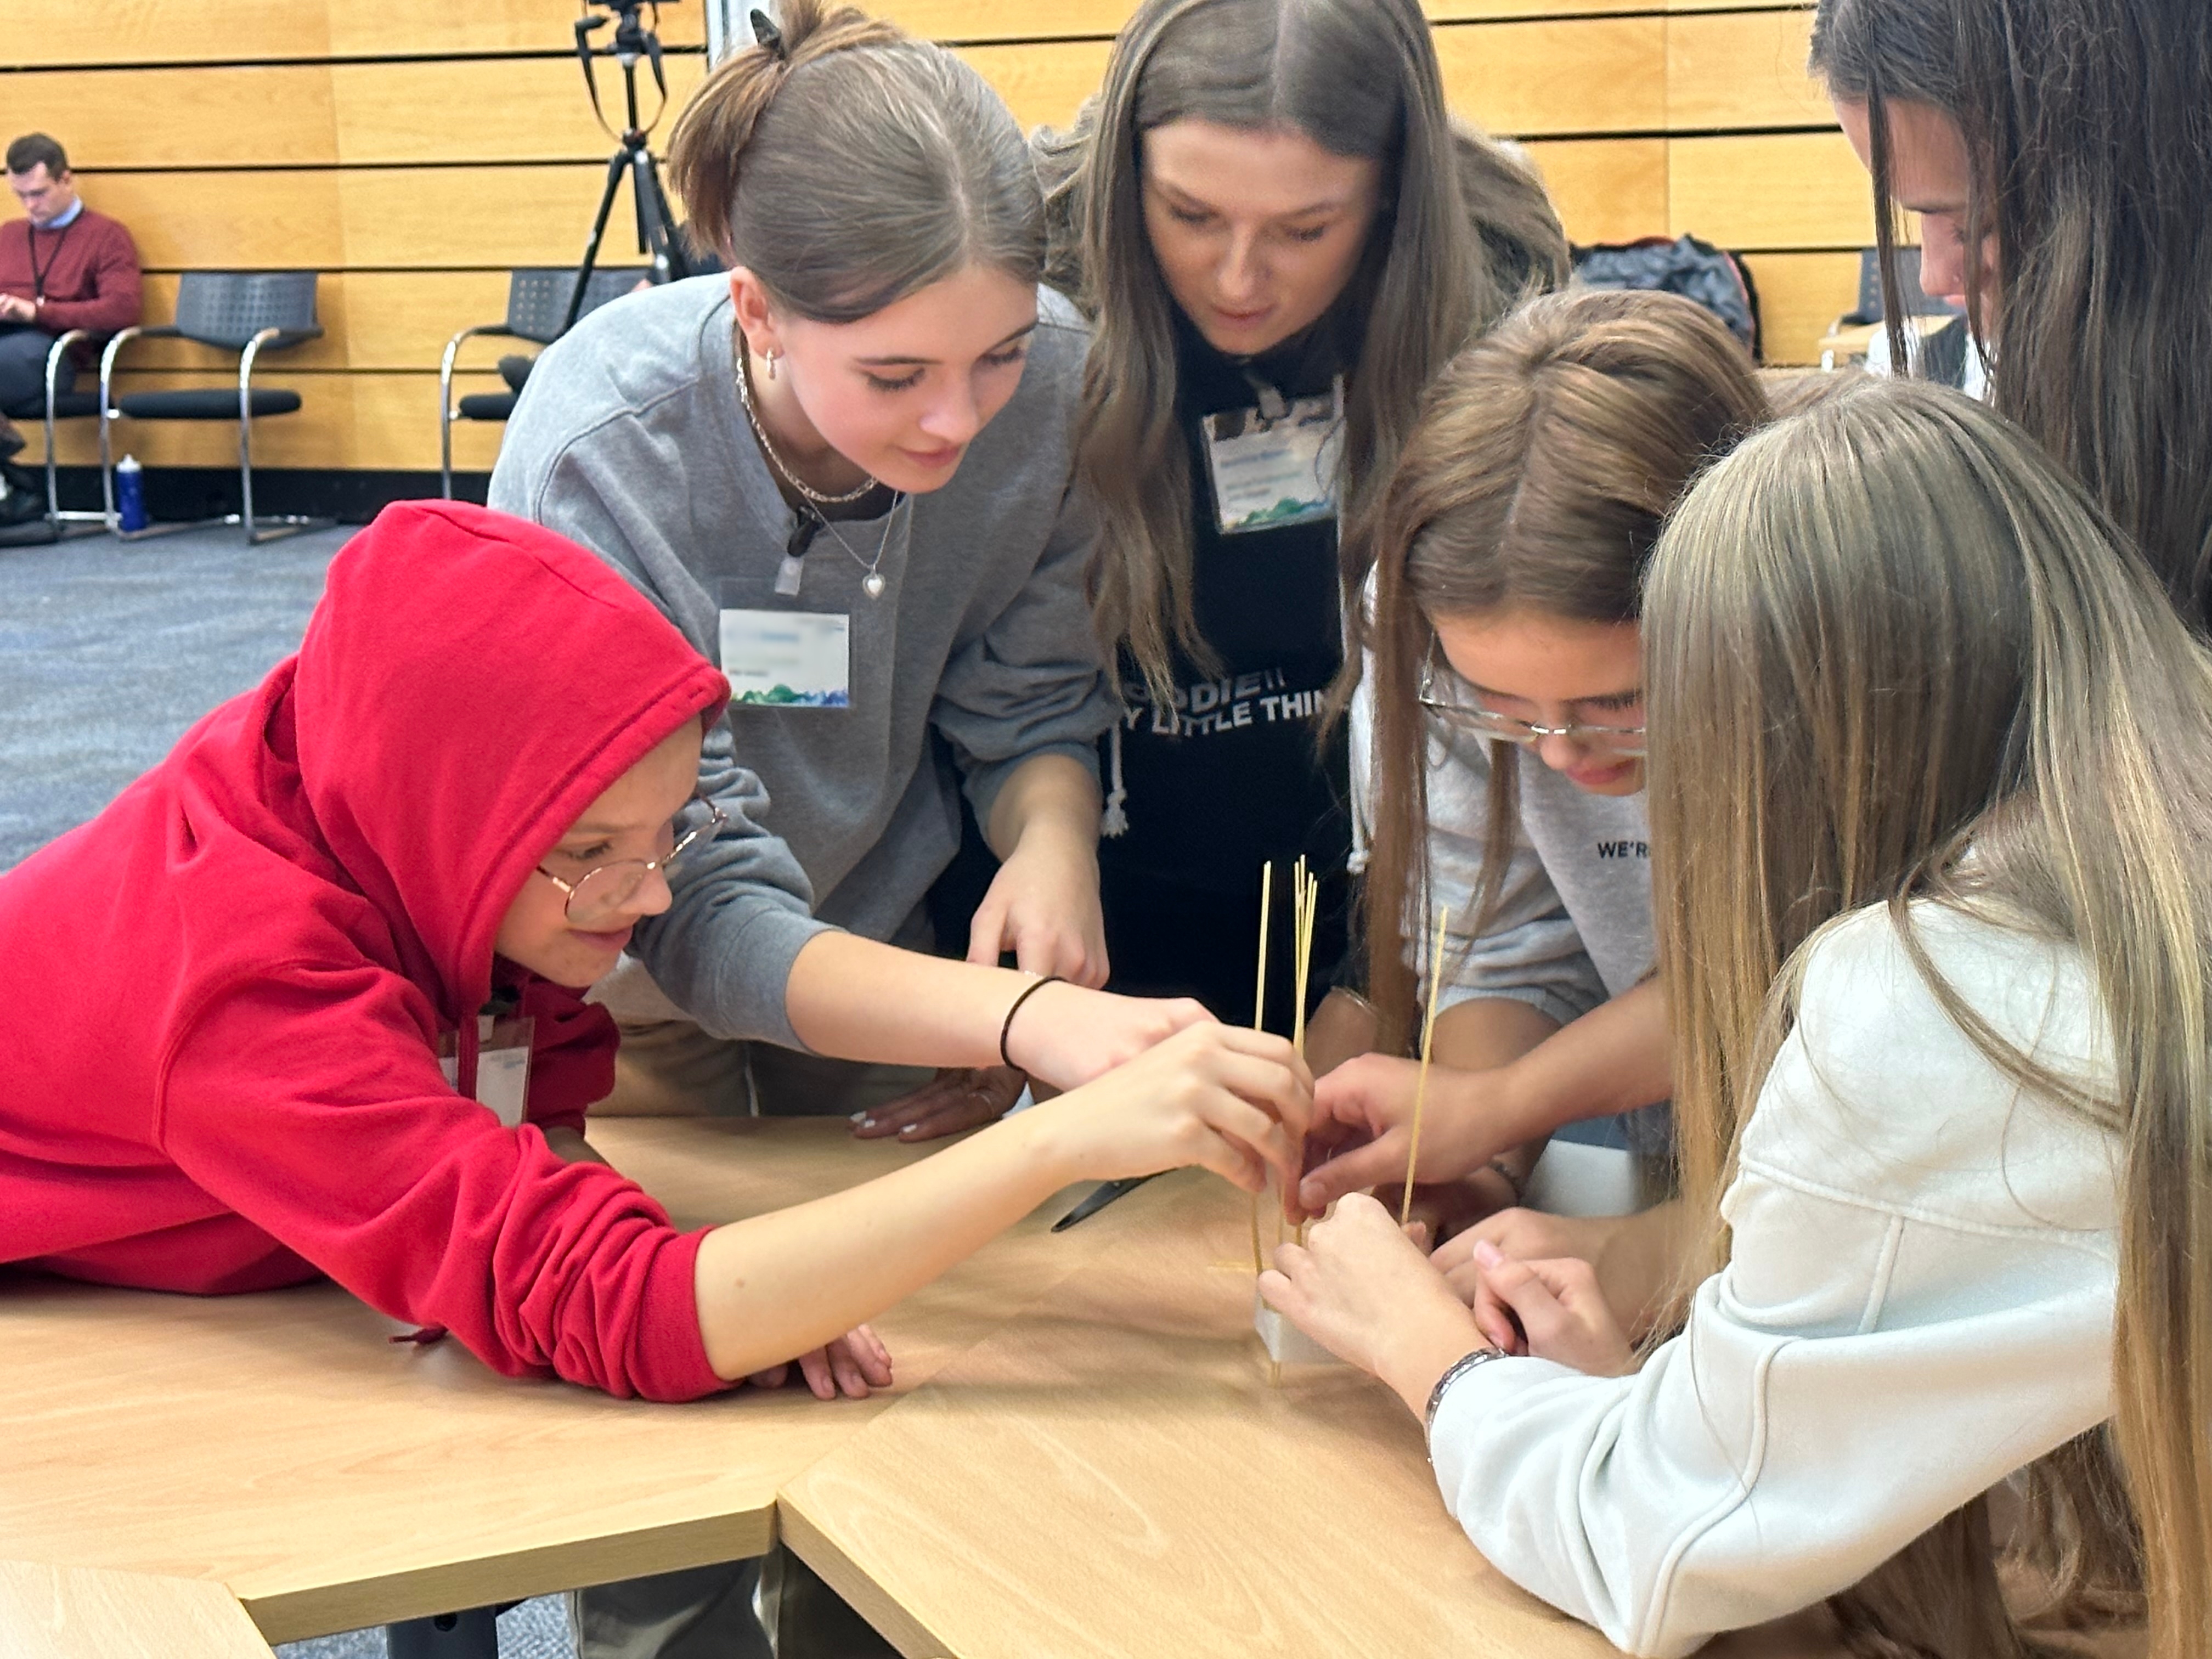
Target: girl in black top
<point>1280,236</point>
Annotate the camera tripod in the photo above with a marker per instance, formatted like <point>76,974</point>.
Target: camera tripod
<point>657,234</point>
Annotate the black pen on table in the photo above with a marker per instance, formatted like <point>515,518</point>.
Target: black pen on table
<point>1097,1199</point>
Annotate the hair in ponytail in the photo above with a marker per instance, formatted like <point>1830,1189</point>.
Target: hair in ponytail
<point>847,165</point>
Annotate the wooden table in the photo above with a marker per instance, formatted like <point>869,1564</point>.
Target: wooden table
<point>85,1613</point>
<point>1098,1468</point>
<point>1112,1474</point>
<point>281,1446</point>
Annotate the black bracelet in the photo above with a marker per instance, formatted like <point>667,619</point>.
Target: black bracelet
<point>1007,1030</point>
<point>1458,1368</point>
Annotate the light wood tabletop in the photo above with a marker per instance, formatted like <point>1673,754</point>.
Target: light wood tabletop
<point>1112,1474</point>
<point>88,1613</point>
<point>282,1446</point>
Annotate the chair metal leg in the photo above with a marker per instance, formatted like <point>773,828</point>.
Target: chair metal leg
<point>277,526</point>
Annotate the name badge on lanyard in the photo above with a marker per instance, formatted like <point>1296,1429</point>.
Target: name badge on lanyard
<point>787,659</point>
<point>1275,465</point>
<point>503,1065</point>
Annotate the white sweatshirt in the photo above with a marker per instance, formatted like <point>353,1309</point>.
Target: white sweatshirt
<point>1918,1301</point>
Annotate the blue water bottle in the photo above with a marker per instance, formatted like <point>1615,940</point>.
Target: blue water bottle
<point>130,494</point>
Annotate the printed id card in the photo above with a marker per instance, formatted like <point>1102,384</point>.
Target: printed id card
<point>502,1064</point>
<point>1275,465</point>
<point>788,658</point>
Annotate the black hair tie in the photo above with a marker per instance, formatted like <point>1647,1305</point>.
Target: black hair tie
<point>766,33</point>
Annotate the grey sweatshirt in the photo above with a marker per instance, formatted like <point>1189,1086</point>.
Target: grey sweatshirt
<point>1573,924</point>
<point>631,441</point>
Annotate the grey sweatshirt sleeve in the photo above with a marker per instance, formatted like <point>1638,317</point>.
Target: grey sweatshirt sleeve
<point>1918,1301</point>
<point>1034,681</point>
<point>742,910</point>
<point>1531,951</point>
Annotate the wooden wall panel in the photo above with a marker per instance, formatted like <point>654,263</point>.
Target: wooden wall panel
<point>366,421</point>
<point>488,216</point>
<point>1044,84</point>
<point>531,109</point>
<point>189,117</point>
<point>1607,189</point>
<point>372,319</point>
<point>1800,297</point>
<point>1597,75</point>
<point>1742,69</point>
<point>221,221</point>
<point>1786,190</point>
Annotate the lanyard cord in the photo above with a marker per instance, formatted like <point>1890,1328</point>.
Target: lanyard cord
<point>39,277</point>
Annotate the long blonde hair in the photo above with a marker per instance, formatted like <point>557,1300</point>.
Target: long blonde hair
<point>1546,455</point>
<point>1359,77</point>
<point>1881,633</point>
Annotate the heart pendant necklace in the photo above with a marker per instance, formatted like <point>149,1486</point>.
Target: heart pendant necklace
<point>873,583</point>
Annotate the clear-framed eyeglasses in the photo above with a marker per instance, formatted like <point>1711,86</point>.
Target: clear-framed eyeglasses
<point>1451,699</point>
<point>604,892</point>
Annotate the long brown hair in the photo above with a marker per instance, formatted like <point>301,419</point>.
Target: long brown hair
<point>1359,78</point>
<point>851,165</point>
<point>1546,457</point>
<point>1881,633</point>
<point>2090,160</point>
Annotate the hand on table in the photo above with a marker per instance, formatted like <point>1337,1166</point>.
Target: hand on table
<point>1065,1036</point>
<point>957,1098</point>
<point>1365,1290</point>
<point>1634,1260</point>
<point>855,1362</point>
<point>1043,907</point>
<point>1364,1120</point>
<point>1229,1100</point>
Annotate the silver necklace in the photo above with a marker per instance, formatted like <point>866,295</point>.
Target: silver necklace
<point>792,571</point>
<point>744,377</point>
<point>872,584</point>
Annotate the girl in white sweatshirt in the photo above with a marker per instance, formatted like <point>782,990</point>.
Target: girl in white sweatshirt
<point>1932,790</point>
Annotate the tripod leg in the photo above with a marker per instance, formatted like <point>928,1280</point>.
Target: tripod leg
<point>615,167</point>
<point>655,236</point>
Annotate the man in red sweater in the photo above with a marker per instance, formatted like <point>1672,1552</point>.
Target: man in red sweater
<point>62,266</point>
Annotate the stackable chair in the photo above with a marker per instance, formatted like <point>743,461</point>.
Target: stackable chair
<point>248,312</point>
<point>55,407</point>
<point>537,307</point>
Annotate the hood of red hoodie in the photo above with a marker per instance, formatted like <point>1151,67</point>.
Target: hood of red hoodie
<point>469,684</point>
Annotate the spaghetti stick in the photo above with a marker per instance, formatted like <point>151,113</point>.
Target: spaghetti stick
<point>1307,912</point>
<point>1421,1087</point>
<point>1259,1024</point>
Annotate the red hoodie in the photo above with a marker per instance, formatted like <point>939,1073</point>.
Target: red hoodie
<point>218,1045</point>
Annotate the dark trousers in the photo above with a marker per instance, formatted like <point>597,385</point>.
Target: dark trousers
<point>23,367</point>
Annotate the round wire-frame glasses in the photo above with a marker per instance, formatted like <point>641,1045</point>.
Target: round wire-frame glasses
<point>1445,694</point>
<point>605,891</point>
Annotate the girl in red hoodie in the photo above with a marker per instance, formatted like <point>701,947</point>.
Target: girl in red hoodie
<point>232,987</point>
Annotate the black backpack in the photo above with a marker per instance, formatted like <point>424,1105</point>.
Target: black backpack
<point>1696,271</point>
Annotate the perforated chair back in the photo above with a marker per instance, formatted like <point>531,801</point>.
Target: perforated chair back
<point>538,297</point>
<point>229,307</point>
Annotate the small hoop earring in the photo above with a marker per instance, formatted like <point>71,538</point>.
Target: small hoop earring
<point>769,357</point>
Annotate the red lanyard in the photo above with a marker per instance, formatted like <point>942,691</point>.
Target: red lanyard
<point>39,277</point>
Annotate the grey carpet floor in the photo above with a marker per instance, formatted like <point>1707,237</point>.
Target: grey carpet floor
<point>108,651</point>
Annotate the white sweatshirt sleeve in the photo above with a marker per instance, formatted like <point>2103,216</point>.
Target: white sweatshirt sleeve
<point>1919,1300</point>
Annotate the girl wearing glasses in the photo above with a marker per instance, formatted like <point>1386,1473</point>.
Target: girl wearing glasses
<point>1929,759</point>
<point>307,999</point>
<point>1502,709</point>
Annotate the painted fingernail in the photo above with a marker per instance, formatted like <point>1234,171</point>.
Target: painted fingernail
<point>863,1120</point>
<point>908,1129</point>
<point>1487,1254</point>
